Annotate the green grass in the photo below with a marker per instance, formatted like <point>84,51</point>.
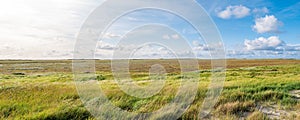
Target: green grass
<point>53,95</point>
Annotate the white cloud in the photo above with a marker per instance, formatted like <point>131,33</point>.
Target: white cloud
<point>271,47</point>
<point>234,11</point>
<point>105,46</point>
<point>197,46</point>
<point>266,24</point>
<point>262,43</point>
<point>262,54</point>
<point>293,47</point>
<point>263,10</point>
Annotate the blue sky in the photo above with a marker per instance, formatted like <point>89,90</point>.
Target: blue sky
<point>285,11</point>
<point>47,29</point>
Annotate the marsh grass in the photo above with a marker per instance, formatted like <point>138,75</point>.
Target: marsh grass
<point>54,96</point>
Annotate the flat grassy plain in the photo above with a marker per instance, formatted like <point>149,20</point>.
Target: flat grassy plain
<point>254,89</point>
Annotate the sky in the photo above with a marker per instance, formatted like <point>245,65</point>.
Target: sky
<point>48,29</point>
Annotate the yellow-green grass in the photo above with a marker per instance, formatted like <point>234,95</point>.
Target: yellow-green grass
<point>51,95</point>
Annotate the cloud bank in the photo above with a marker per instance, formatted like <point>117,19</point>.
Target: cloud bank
<point>262,43</point>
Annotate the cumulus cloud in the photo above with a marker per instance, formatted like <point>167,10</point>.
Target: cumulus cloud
<point>267,24</point>
<point>234,11</point>
<point>272,43</point>
<point>262,43</point>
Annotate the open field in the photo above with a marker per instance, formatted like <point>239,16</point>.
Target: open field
<point>65,66</point>
<point>254,89</point>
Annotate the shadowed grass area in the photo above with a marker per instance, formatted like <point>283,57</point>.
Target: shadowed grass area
<point>51,95</point>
